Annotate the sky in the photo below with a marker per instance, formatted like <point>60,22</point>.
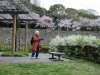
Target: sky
<point>77,4</point>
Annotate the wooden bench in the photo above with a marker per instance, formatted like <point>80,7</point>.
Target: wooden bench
<point>59,54</point>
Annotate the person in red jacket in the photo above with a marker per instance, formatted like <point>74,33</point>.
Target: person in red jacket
<point>36,44</point>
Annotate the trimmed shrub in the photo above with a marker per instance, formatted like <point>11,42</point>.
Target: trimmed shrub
<point>45,48</point>
<point>79,46</point>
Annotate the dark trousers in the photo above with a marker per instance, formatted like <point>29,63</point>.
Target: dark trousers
<point>35,52</point>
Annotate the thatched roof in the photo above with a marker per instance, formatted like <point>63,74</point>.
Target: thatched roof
<point>21,17</point>
<point>9,8</point>
<point>12,8</point>
<point>31,16</point>
<point>5,17</point>
<point>25,17</point>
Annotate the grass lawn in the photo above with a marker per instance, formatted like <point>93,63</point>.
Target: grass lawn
<point>78,67</point>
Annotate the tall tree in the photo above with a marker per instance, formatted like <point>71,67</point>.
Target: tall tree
<point>87,14</point>
<point>92,11</point>
<point>39,10</point>
<point>72,13</point>
<point>56,10</point>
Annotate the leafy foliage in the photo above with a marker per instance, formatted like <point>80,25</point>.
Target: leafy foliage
<point>39,10</point>
<point>45,48</point>
<point>56,11</point>
<point>4,48</point>
<point>86,14</point>
<point>82,46</point>
<point>72,13</point>
<point>74,40</point>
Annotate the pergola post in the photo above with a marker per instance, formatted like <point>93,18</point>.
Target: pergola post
<point>18,9</point>
<point>26,35</point>
<point>14,33</point>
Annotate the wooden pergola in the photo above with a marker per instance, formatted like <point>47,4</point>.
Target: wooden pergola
<point>27,18</point>
<point>14,9</point>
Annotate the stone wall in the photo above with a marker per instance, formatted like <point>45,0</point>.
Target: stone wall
<point>6,35</point>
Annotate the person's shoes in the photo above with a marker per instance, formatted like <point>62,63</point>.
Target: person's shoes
<point>37,58</point>
<point>32,57</point>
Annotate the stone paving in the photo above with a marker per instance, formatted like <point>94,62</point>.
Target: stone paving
<point>42,58</point>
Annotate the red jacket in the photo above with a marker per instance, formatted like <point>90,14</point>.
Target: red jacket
<point>36,41</point>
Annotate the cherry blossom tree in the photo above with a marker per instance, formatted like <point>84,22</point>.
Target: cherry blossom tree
<point>76,25</point>
<point>84,21</point>
<point>66,23</point>
<point>87,23</point>
<point>96,22</point>
<point>81,23</point>
<point>45,22</point>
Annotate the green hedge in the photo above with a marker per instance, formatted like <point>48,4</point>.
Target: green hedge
<point>86,52</point>
<point>80,46</point>
<point>45,48</point>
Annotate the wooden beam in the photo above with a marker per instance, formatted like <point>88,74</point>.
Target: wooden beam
<point>14,33</point>
<point>26,35</point>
